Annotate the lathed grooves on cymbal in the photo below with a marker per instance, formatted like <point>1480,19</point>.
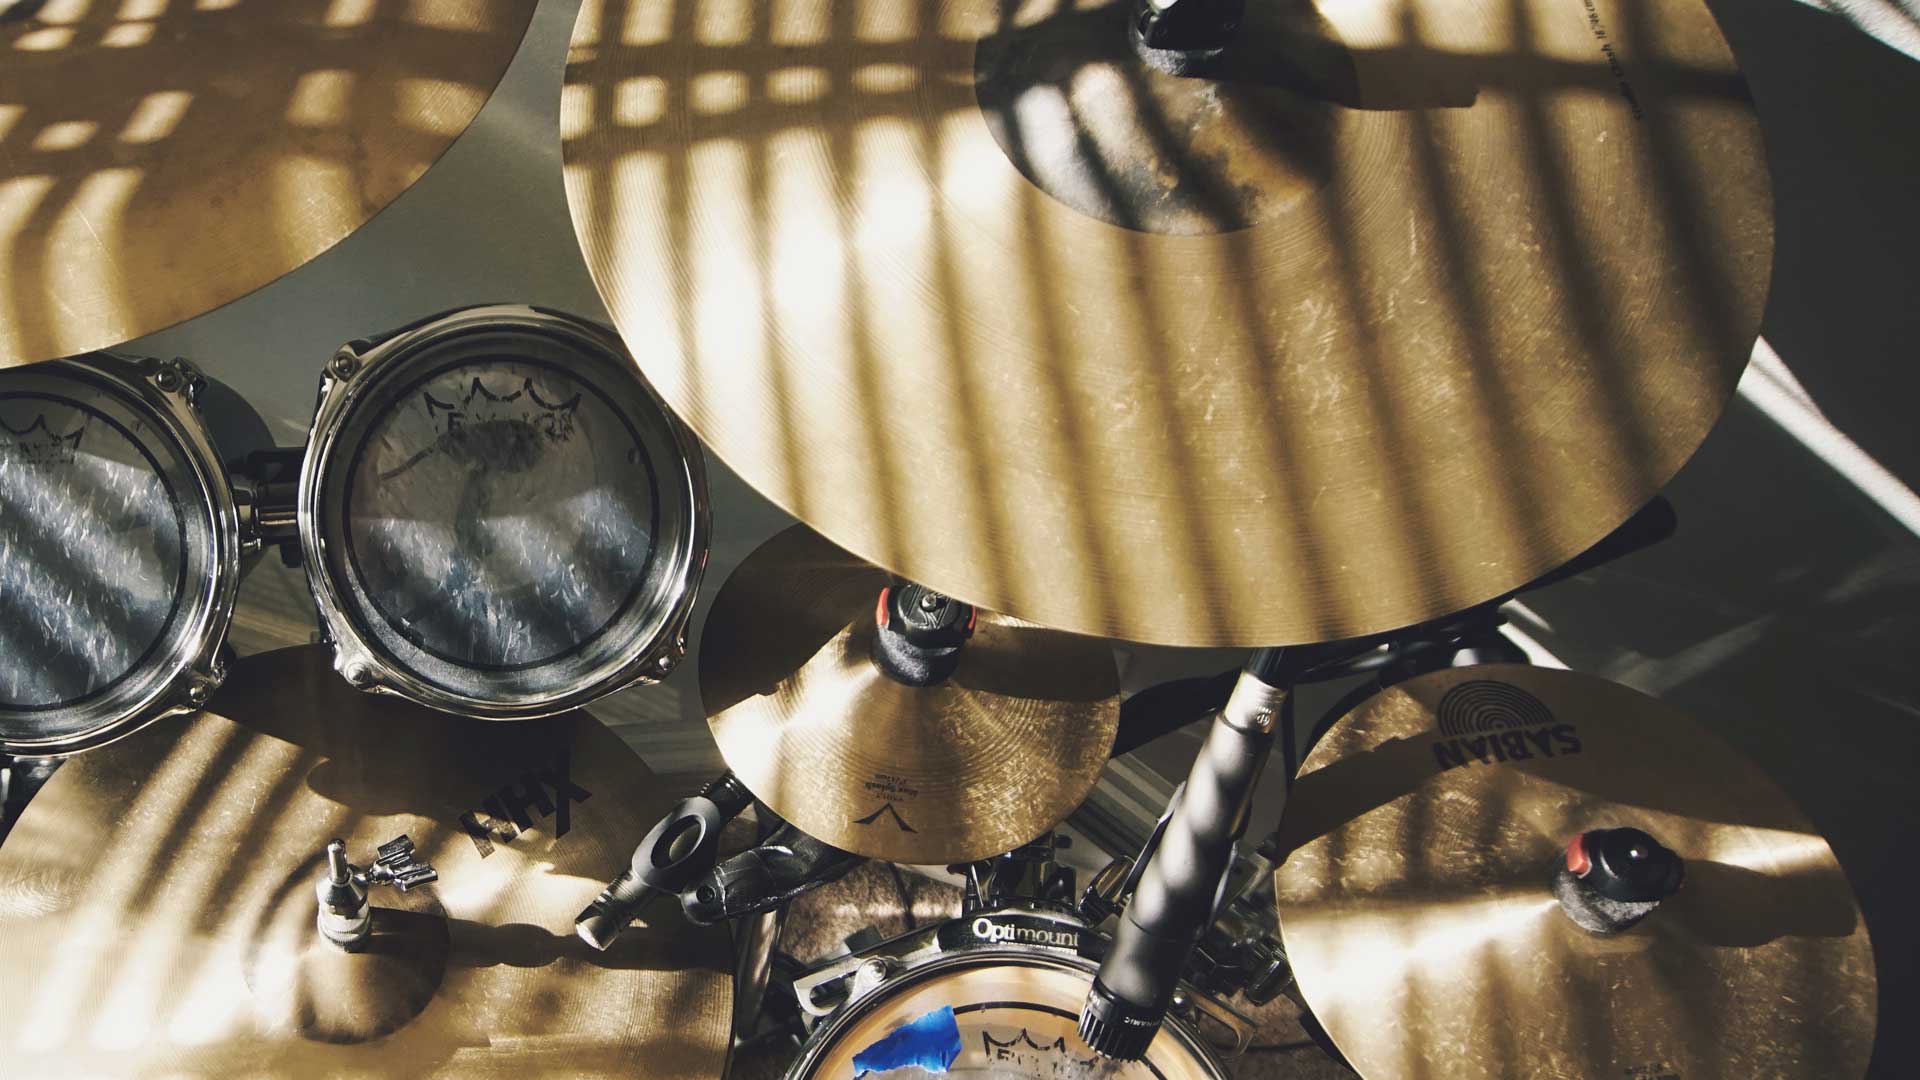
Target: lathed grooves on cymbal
<point>1515,271</point>
<point>162,159</point>
<point>157,900</point>
<point>983,762</point>
<point>1416,903</point>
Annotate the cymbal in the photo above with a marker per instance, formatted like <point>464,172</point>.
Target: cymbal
<point>1417,304</point>
<point>970,767</point>
<point>158,896</point>
<point>1417,906</point>
<point>166,158</point>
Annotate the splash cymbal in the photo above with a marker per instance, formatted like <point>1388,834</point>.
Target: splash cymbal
<point>1414,305</point>
<point>975,765</point>
<point>1418,906</point>
<point>163,159</point>
<point>158,896</point>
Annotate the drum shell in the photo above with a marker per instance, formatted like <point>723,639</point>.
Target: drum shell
<point>826,1038</point>
<point>358,373</point>
<point>164,395</point>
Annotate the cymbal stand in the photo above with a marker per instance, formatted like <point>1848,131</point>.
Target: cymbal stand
<point>1182,879</point>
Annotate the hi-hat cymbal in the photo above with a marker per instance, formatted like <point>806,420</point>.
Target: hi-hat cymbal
<point>163,159</point>
<point>978,764</point>
<point>1416,305</point>
<point>158,898</point>
<point>1417,905</point>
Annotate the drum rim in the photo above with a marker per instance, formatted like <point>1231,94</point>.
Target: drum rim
<point>367,663</point>
<point>835,1027</point>
<point>192,668</point>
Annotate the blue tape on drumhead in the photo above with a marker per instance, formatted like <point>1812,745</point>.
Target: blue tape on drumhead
<point>931,1042</point>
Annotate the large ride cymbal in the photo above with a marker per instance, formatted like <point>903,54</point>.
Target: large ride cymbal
<point>162,159</point>
<point>1416,901</point>
<point>978,764</point>
<point>157,897</point>
<point>1419,303</point>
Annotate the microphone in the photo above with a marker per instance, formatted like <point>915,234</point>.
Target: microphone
<point>1179,890</point>
<point>679,849</point>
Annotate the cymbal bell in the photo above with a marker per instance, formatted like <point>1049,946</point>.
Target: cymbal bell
<point>164,159</point>
<point>1414,304</point>
<point>1422,847</point>
<point>978,764</point>
<point>158,897</point>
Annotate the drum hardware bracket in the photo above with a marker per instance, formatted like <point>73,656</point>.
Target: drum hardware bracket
<point>1028,872</point>
<point>1199,1003</point>
<point>764,877</point>
<point>266,491</point>
<point>175,376</point>
<point>345,918</point>
<point>683,846</point>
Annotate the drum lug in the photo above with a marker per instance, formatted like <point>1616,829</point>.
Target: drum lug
<point>177,376</point>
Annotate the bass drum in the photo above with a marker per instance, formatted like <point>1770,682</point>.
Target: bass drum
<point>1017,1013</point>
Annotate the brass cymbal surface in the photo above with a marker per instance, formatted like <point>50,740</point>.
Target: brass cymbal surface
<point>1416,303</point>
<point>978,764</point>
<point>162,159</point>
<point>157,897</point>
<point>1416,904</point>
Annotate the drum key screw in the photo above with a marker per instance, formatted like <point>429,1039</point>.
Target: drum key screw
<point>343,365</point>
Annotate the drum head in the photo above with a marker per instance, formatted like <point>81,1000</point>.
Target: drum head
<point>1017,1016</point>
<point>500,518</point>
<point>117,553</point>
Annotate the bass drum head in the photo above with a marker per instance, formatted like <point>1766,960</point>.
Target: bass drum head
<point>118,554</point>
<point>1018,1016</point>
<point>500,517</point>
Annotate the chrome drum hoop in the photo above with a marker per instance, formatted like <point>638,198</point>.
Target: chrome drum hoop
<point>642,642</point>
<point>1176,1036</point>
<point>180,670</point>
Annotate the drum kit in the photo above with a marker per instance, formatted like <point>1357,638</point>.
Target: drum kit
<point>1316,329</point>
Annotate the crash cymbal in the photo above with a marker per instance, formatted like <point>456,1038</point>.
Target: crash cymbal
<point>158,898</point>
<point>1418,907</point>
<point>165,158</point>
<point>978,764</point>
<point>1421,302</point>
